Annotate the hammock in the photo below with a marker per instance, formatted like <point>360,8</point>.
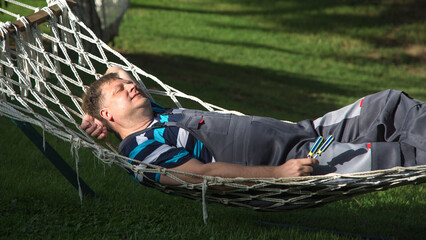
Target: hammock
<point>44,69</point>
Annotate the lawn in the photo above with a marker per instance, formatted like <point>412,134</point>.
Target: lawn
<point>286,59</point>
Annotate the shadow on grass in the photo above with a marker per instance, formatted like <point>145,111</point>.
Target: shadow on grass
<point>403,220</point>
<point>245,44</point>
<point>250,90</point>
<point>357,19</point>
<point>310,16</point>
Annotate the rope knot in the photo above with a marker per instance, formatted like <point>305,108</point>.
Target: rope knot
<point>24,20</point>
<point>50,12</point>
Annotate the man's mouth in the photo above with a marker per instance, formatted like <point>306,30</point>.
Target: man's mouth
<point>136,95</point>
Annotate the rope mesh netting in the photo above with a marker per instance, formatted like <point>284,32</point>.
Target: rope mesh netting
<point>46,67</point>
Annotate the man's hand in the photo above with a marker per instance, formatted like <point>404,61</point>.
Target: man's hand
<point>296,167</point>
<point>120,72</point>
<point>94,127</point>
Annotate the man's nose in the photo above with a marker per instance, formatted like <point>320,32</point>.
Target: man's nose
<point>131,87</point>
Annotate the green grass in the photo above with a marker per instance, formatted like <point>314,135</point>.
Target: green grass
<point>286,59</point>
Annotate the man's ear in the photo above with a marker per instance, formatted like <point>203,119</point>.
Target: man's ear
<point>106,114</point>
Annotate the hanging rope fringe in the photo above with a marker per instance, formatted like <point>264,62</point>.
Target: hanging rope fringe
<point>61,67</point>
<point>44,138</point>
<point>75,146</point>
<point>203,192</point>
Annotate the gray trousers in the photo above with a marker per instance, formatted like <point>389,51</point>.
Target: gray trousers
<point>379,131</point>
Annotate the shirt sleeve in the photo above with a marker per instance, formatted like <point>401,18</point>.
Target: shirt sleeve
<point>159,154</point>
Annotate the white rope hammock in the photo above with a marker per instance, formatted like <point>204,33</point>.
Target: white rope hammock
<point>44,69</point>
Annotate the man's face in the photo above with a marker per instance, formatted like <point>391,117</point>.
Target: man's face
<point>124,100</point>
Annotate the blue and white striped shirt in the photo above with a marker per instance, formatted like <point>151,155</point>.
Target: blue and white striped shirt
<point>167,147</point>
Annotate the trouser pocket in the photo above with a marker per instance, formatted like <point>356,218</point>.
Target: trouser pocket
<point>350,158</point>
<point>344,158</point>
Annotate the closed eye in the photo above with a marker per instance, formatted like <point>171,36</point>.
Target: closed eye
<point>118,89</point>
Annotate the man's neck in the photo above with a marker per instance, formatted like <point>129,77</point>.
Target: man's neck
<point>135,127</point>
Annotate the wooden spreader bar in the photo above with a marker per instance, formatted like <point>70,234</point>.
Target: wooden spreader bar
<point>37,18</point>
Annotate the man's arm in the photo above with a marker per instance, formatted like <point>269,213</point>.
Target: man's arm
<point>291,168</point>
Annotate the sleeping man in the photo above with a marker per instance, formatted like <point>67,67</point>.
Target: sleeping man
<point>379,131</point>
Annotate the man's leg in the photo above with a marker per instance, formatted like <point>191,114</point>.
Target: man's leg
<point>389,122</point>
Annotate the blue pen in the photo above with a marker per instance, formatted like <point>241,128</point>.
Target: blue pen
<point>315,147</point>
<point>327,143</point>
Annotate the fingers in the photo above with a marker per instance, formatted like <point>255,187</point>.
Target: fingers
<point>86,122</point>
<point>94,127</point>
<point>306,170</point>
<point>103,134</point>
<point>98,122</point>
<point>96,130</point>
<point>298,167</point>
<point>308,161</point>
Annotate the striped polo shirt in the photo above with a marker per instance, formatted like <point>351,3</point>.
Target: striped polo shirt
<point>167,147</point>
